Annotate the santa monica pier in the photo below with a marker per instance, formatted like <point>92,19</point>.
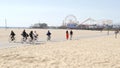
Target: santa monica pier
<point>71,22</point>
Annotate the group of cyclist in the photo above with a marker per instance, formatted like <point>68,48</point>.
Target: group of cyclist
<point>25,35</point>
<point>32,35</point>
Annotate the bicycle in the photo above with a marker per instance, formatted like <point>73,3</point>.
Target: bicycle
<point>24,40</point>
<point>12,39</point>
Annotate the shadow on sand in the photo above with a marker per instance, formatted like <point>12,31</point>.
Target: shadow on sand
<point>30,43</point>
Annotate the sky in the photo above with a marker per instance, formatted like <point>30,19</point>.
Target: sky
<point>24,13</point>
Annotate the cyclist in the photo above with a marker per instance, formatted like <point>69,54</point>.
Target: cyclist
<point>12,35</point>
<point>49,35</point>
<point>25,35</point>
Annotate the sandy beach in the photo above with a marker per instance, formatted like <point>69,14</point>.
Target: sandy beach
<point>88,49</point>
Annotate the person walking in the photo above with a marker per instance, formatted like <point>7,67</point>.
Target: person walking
<point>67,35</point>
<point>71,34</point>
<point>116,33</point>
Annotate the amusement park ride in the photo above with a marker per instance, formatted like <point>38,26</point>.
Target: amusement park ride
<point>70,21</point>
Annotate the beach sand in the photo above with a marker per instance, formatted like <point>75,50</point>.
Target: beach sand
<point>88,49</point>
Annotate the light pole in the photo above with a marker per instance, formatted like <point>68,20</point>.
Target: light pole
<point>5,23</point>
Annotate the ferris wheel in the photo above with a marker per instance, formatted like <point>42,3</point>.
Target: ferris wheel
<point>70,19</point>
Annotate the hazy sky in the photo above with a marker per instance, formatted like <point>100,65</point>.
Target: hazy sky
<point>23,13</point>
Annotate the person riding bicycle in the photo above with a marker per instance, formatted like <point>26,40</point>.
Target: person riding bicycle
<point>31,35</point>
<point>25,35</point>
<point>35,35</point>
<point>49,35</point>
<point>12,36</point>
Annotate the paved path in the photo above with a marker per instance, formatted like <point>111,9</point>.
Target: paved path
<point>43,41</point>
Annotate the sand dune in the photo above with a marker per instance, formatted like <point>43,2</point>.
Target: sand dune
<point>96,52</point>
